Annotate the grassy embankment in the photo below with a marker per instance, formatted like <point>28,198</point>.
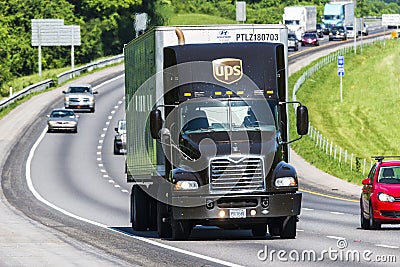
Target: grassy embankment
<point>366,123</point>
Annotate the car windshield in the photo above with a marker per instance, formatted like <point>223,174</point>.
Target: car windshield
<point>292,37</point>
<point>232,115</point>
<point>79,89</point>
<point>62,114</point>
<point>122,125</point>
<point>389,175</point>
<point>308,35</point>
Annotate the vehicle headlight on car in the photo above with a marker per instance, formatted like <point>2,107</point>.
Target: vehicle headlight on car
<point>186,185</point>
<point>385,197</point>
<point>66,98</point>
<point>285,181</point>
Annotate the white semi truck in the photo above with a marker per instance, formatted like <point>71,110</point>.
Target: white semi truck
<point>207,130</point>
<point>338,14</point>
<point>300,19</point>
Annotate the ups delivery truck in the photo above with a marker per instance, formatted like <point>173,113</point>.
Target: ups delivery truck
<point>207,130</point>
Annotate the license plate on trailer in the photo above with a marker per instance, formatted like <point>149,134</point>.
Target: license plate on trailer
<point>237,213</point>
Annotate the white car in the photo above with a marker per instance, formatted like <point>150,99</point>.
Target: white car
<point>293,43</point>
<point>80,96</point>
<point>351,32</point>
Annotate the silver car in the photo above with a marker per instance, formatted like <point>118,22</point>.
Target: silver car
<point>80,96</point>
<point>62,120</point>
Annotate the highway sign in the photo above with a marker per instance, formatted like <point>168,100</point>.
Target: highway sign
<point>390,19</point>
<point>340,65</point>
<point>53,32</point>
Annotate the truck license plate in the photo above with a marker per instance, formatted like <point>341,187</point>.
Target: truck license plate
<point>237,213</point>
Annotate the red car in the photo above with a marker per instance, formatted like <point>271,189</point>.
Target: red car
<point>380,196</point>
<point>309,39</point>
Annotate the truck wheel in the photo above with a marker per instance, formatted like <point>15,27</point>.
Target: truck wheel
<point>163,222</point>
<point>139,209</point>
<point>259,230</point>
<point>116,150</point>
<point>181,229</point>
<point>152,214</point>
<point>372,223</point>
<point>274,227</point>
<point>288,229</point>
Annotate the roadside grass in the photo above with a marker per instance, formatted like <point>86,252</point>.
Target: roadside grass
<point>366,122</point>
<point>197,19</point>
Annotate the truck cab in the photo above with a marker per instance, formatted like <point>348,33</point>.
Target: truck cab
<point>218,152</point>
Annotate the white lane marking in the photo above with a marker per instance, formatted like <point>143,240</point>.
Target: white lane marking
<point>109,117</point>
<point>148,241</point>
<point>117,186</point>
<point>306,209</point>
<point>99,147</point>
<point>100,141</point>
<point>335,237</point>
<point>111,181</point>
<point>105,176</point>
<point>100,165</point>
<point>124,191</point>
<point>335,212</point>
<point>107,123</point>
<point>103,171</point>
<point>98,152</point>
<point>116,106</point>
<point>386,246</point>
<point>102,135</point>
<point>112,111</point>
<point>105,129</point>
<point>119,102</point>
<point>98,159</point>
<point>299,230</point>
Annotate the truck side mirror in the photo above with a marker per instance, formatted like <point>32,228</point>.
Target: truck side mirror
<point>155,123</point>
<point>302,120</point>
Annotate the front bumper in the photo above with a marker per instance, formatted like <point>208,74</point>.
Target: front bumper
<point>386,212</point>
<point>249,206</point>
<point>79,104</point>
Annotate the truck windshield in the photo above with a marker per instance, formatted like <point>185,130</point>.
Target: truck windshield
<point>292,22</point>
<point>229,115</point>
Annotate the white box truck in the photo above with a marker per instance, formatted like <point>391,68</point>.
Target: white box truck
<point>300,19</point>
<point>207,130</point>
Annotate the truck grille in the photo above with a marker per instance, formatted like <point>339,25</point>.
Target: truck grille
<point>236,175</point>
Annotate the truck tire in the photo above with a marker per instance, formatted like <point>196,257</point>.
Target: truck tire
<point>163,221</point>
<point>288,228</point>
<point>139,209</point>
<point>181,229</point>
<point>259,230</point>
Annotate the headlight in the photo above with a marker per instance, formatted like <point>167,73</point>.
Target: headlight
<point>285,181</point>
<point>186,185</point>
<point>66,98</point>
<point>385,197</point>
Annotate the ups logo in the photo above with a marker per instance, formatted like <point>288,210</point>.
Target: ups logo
<point>227,70</point>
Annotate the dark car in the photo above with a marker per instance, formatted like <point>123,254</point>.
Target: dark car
<point>320,30</point>
<point>338,32</point>
<point>309,39</point>
<point>380,196</point>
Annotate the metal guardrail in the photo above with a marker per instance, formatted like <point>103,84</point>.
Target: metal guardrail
<point>61,78</point>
